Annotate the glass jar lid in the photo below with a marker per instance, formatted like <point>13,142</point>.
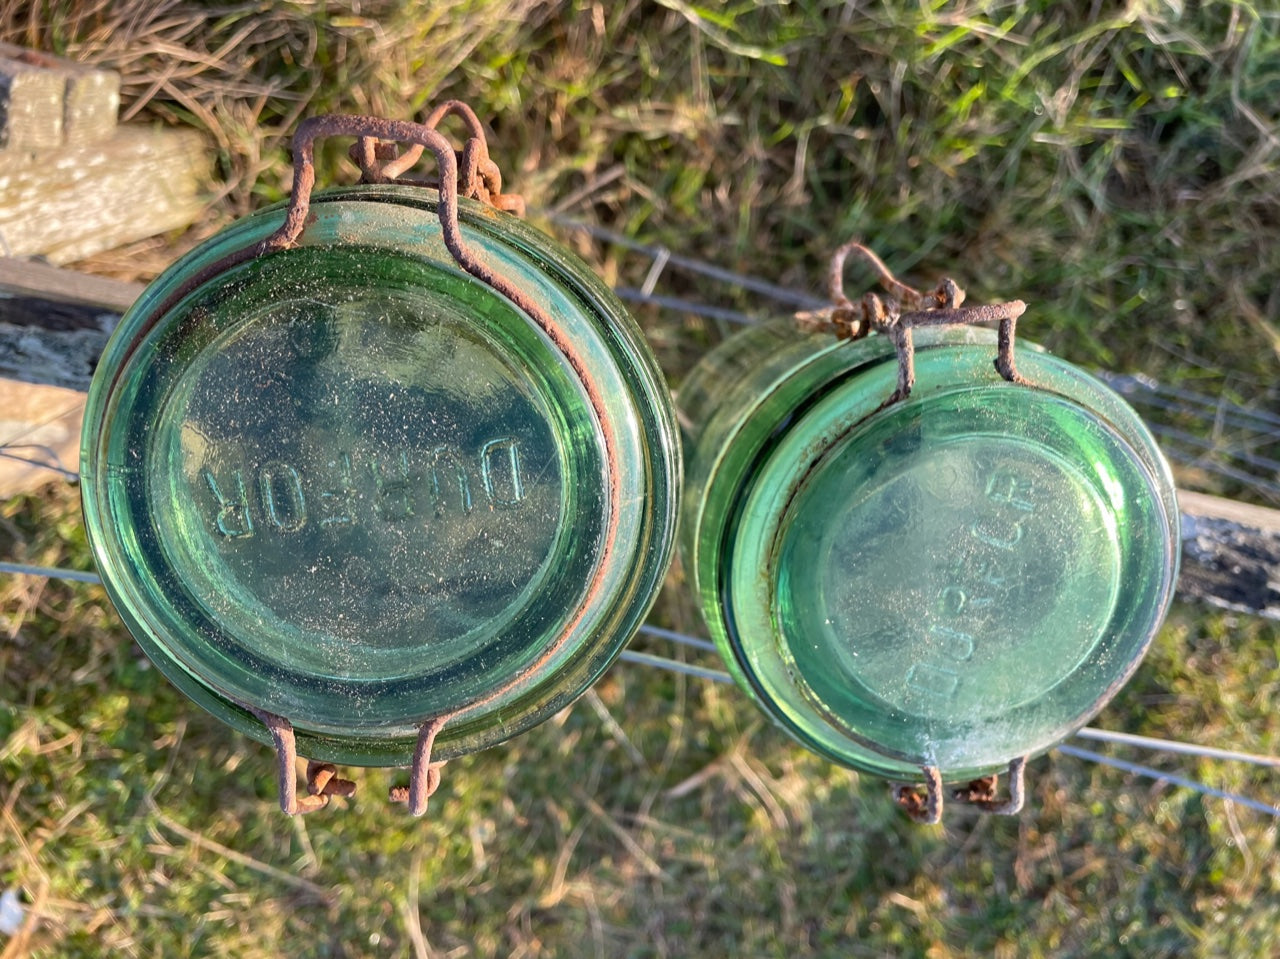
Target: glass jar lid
<point>925,585</point>
<point>350,484</point>
<point>953,581</point>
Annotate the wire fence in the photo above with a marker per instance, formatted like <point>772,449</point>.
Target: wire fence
<point>652,661</point>
<point>1215,437</point>
<point>1221,444</point>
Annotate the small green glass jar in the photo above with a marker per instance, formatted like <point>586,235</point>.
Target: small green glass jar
<point>952,582</point>
<point>351,485</point>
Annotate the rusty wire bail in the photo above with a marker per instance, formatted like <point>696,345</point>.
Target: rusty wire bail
<point>323,781</point>
<point>471,174</point>
<point>902,309</point>
<point>322,778</point>
<point>478,176</point>
<point>923,803</point>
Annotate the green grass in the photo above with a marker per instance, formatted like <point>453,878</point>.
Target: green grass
<point>138,825</point>
<point>1118,167</point>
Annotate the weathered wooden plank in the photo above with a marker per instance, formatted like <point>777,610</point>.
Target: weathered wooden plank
<point>55,329</point>
<point>41,281</point>
<point>46,101</point>
<point>64,358</point>
<point>54,323</point>
<point>92,104</point>
<point>1230,554</point>
<point>69,203</point>
<point>32,98</point>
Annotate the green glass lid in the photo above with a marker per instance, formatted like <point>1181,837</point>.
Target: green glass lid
<point>922,564</point>
<point>348,484</point>
<point>955,581</point>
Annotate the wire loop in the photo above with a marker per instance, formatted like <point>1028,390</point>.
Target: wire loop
<point>902,309</point>
<point>923,802</point>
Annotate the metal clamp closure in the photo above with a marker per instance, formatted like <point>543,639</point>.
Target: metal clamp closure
<point>901,310</point>
<point>924,803</point>
<point>469,173</point>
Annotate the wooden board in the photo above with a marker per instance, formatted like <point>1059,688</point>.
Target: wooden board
<point>54,323</point>
<point>42,282</point>
<point>75,201</point>
<point>48,101</point>
<point>1230,554</point>
<point>31,104</point>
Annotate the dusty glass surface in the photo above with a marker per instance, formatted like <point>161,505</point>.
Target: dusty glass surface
<point>351,485</point>
<point>956,580</point>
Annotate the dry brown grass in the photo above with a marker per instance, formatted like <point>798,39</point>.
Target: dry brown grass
<point>245,73</point>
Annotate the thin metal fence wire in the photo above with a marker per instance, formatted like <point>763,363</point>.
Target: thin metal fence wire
<point>1209,436</point>
<point>49,572</point>
<point>1212,434</point>
<point>1152,743</point>
<point>1173,779</point>
<point>652,661</point>
<point>42,456</point>
<point>785,296</point>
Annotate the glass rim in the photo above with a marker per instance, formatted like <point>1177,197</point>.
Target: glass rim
<point>644,540</point>
<point>758,534</point>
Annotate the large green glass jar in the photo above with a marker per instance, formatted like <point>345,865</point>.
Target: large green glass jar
<point>949,583</point>
<point>351,485</point>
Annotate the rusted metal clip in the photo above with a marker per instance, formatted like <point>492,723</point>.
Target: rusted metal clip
<point>323,781</point>
<point>322,778</point>
<point>983,792</point>
<point>478,177</point>
<point>923,803</point>
<point>424,775</point>
<point>904,308</point>
<point>468,172</point>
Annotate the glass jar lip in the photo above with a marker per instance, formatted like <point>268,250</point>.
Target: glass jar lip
<point>829,425</point>
<point>636,452</point>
